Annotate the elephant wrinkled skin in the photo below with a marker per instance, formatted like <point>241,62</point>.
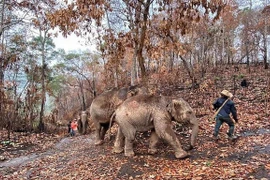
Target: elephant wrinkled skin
<point>148,112</point>
<point>104,105</point>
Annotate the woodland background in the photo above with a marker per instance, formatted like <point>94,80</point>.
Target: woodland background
<point>156,43</point>
<point>187,48</point>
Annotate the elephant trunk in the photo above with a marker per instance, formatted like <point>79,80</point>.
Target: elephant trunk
<point>195,130</point>
<point>110,125</point>
<point>84,122</point>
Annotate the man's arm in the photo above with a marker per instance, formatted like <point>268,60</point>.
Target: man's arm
<point>216,105</point>
<point>234,112</point>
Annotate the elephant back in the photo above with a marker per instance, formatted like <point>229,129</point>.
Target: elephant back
<point>148,101</point>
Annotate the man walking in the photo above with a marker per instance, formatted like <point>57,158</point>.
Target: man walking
<point>225,106</point>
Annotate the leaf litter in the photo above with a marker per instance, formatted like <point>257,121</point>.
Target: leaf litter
<point>48,156</point>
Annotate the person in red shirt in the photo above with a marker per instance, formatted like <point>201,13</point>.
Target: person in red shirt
<point>73,127</point>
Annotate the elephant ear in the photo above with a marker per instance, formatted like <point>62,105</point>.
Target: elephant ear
<point>135,90</point>
<point>169,109</point>
<point>132,91</point>
<point>122,94</point>
<point>174,107</point>
<point>179,109</point>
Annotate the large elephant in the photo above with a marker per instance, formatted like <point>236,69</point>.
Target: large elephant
<point>148,112</point>
<point>104,105</point>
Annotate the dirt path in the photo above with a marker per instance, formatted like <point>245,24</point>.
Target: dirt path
<point>79,158</point>
<point>30,166</point>
<point>62,146</point>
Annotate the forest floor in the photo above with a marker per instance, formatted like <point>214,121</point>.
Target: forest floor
<point>47,156</point>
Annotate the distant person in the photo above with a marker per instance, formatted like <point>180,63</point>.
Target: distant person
<point>223,116</point>
<point>73,126</point>
<point>244,83</point>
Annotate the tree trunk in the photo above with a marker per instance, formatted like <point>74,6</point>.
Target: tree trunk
<point>265,45</point>
<point>142,39</point>
<point>94,85</point>
<point>223,45</point>
<point>2,17</point>
<point>247,54</point>
<point>133,66</point>
<point>41,126</point>
<point>135,34</point>
<point>83,98</point>
<point>2,95</point>
<point>190,73</point>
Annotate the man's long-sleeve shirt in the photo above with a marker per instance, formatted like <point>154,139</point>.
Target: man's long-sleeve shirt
<point>228,108</point>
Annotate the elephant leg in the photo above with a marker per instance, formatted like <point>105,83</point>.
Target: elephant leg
<point>169,135</point>
<point>129,132</point>
<point>84,127</point>
<point>175,143</point>
<point>119,141</point>
<point>97,133</point>
<point>129,147</point>
<point>103,131</point>
<point>153,142</point>
<point>80,126</point>
<point>84,122</point>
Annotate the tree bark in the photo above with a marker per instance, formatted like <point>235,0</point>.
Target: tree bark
<point>41,125</point>
<point>190,73</point>
<point>83,98</point>
<point>142,38</point>
<point>265,45</point>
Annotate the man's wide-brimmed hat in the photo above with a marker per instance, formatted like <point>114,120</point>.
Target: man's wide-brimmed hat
<point>226,93</point>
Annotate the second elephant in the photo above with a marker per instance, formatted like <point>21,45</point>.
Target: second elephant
<point>148,112</point>
<point>83,123</point>
<point>104,105</point>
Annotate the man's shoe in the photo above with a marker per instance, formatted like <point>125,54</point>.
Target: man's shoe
<point>232,138</point>
<point>215,138</point>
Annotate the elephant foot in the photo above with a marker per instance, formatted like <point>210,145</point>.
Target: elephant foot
<point>129,153</point>
<point>99,142</point>
<point>117,150</point>
<point>152,151</point>
<point>181,155</point>
<point>189,148</point>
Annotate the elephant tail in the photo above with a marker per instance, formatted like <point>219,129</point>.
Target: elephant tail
<point>110,125</point>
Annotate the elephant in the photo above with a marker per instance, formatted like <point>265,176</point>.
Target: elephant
<point>153,112</point>
<point>104,105</point>
<point>83,123</point>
